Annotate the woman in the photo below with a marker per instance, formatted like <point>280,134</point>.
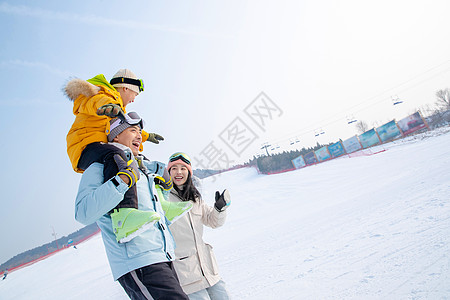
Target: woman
<point>195,262</point>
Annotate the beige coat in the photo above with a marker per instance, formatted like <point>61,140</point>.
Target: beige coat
<point>195,262</point>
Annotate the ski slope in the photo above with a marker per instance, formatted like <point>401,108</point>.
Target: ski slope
<point>367,227</point>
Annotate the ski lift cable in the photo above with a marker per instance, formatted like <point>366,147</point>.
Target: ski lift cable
<point>406,89</point>
<point>384,99</point>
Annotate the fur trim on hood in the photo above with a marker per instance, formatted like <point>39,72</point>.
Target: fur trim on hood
<point>75,87</point>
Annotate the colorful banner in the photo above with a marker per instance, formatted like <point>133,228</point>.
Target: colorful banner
<point>323,154</point>
<point>369,138</point>
<point>336,149</point>
<point>352,144</point>
<point>299,162</point>
<point>412,123</point>
<point>388,131</point>
<point>310,158</point>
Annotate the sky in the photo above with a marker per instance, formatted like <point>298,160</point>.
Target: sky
<point>222,79</point>
<point>341,229</point>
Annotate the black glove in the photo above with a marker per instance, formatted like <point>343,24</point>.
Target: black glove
<point>222,201</point>
<point>165,181</point>
<point>110,110</point>
<point>127,168</point>
<point>154,138</point>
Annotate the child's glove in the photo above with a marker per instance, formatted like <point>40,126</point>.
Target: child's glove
<point>154,138</point>
<point>222,201</point>
<point>164,181</point>
<point>127,168</point>
<point>110,110</point>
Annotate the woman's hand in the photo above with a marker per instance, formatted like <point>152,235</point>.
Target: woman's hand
<point>222,200</point>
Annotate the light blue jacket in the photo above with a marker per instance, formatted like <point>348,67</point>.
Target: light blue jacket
<point>95,199</point>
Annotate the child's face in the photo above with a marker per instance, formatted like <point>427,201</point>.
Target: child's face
<point>130,137</point>
<point>179,174</point>
<point>127,96</point>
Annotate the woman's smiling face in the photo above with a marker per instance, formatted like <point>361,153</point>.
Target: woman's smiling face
<point>179,174</point>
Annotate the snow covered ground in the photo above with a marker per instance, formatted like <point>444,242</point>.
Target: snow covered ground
<point>367,227</point>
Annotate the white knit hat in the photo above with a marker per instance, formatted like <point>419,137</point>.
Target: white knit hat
<point>118,80</point>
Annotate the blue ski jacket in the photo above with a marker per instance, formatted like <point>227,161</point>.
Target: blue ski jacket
<point>95,199</point>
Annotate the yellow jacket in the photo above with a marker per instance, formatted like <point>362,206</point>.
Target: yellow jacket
<point>88,127</point>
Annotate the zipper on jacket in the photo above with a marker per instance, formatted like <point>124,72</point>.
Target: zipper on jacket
<point>161,227</point>
<point>196,244</point>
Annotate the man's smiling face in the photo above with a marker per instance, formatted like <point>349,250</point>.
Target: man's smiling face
<point>130,137</point>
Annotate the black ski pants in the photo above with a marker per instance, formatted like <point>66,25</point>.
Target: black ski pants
<point>104,154</point>
<point>157,281</point>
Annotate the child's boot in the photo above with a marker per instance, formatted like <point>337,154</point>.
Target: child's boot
<point>172,210</point>
<point>175,210</point>
<point>128,223</point>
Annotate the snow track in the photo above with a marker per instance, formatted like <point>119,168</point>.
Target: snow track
<point>368,227</point>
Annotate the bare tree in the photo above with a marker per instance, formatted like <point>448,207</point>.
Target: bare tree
<point>443,99</point>
<point>361,126</point>
<point>426,110</point>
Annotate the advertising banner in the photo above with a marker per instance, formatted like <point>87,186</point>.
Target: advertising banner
<point>336,149</point>
<point>310,158</point>
<point>299,162</point>
<point>411,123</point>
<point>352,144</point>
<point>369,138</point>
<point>323,154</point>
<point>388,131</point>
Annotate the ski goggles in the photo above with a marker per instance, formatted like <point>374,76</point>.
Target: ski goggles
<point>180,155</point>
<point>137,82</point>
<point>132,118</point>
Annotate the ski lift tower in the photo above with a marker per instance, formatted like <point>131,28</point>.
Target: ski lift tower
<point>54,235</point>
<point>265,146</point>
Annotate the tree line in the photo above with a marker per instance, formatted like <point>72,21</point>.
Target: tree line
<point>280,161</point>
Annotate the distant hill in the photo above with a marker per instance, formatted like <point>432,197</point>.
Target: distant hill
<point>38,252</point>
<point>202,173</point>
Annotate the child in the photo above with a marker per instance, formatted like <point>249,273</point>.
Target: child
<point>95,102</point>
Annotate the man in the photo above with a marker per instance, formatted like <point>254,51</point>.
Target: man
<point>143,266</point>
